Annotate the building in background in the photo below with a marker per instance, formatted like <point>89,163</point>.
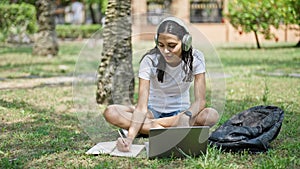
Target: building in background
<point>205,15</point>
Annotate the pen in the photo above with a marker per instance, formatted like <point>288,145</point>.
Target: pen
<point>121,137</point>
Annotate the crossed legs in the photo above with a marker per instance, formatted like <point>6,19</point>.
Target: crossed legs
<point>120,116</point>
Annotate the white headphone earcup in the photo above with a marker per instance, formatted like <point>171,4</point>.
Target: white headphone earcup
<point>186,42</point>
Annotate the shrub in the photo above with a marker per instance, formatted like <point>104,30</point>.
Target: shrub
<point>17,19</point>
<point>76,31</point>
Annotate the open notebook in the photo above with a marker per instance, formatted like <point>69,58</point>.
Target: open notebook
<point>110,148</point>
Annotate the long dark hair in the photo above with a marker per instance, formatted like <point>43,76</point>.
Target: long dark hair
<point>173,28</point>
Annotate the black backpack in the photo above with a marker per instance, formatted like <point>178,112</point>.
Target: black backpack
<point>251,130</point>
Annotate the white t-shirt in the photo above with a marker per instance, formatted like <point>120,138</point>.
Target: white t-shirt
<point>173,94</point>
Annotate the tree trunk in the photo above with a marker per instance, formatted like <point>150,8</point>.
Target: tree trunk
<point>100,13</point>
<point>92,13</point>
<point>46,40</point>
<point>298,44</point>
<point>115,73</point>
<point>257,41</point>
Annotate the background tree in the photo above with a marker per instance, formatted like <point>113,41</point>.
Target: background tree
<point>259,16</point>
<point>115,73</point>
<point>291,13</point>
<point>17,21</point>
<point>45,43</point>
<point>97,9</point>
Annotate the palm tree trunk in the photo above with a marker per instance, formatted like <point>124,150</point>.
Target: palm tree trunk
<point>116,78</point>
<point>46,40</point>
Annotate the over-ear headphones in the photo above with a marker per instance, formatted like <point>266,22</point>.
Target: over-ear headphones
<point>187,38</point>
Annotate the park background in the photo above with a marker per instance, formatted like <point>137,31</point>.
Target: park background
<point>40,127</point>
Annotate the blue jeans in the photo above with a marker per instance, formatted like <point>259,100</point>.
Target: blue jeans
<point>157,114</point>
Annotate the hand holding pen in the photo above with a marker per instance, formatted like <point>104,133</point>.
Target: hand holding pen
<point>124,144</point>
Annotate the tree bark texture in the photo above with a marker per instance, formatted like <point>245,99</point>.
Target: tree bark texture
<point>115,72</point>
<point>46,39</point>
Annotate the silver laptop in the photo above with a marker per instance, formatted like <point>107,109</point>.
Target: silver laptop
<point>177,142</point>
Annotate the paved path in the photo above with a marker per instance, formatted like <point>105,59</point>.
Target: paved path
<point>25,83</point>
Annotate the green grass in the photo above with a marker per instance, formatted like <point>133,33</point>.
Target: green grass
<point>16,62</point>
<point>39,127</point>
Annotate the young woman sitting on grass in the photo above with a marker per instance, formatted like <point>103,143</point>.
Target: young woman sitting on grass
<point>165,76</point>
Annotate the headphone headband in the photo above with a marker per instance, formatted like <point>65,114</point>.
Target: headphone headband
<point>174,19</point>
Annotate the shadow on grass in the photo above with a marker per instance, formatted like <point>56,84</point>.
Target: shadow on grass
<point>36,64</point>
<point>69,49</point>
<point>39,69</point>
<point>40,133</point>
<point>9,66</point>
<point>18,49</point>
<point>44,132</point>
<point>22,105</point>
<point>48,133</point>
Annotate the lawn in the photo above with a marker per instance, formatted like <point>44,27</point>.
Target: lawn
<point>44,127</point>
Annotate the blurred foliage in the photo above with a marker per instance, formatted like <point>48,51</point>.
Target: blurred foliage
<point>102,3</point>
<point>77,31</point>
<point>96,8</point>
<point>292,11</point>
<point>4,2</point>
<point>17,19</point>
<point>260,15</point>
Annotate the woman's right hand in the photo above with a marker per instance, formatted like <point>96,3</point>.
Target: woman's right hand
<point>124,145</point>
